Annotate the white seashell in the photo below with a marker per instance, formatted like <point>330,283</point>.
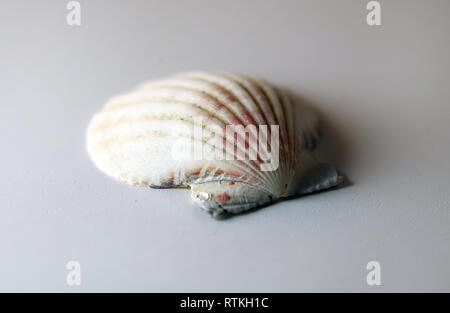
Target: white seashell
<point>139,137</point>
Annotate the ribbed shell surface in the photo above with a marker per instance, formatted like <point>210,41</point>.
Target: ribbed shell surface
<point>133,136</point>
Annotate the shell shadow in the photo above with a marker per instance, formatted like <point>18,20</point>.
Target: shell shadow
<point>226,215</point>
<point>333,146</point>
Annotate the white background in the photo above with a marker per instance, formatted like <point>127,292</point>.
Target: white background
<point>383,92</point>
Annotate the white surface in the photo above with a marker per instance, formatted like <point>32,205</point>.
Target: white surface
<point>383,90</point>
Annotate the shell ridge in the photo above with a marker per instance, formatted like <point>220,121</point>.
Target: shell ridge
<point>237,111</point>
<point>206,109</point>
<point>240,165</point>
<point>260,98</point>
<point>241,82</point>
<point>272,100</point>
<point>237,92</point>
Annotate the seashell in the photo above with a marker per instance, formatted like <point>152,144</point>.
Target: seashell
<point>236,142</point>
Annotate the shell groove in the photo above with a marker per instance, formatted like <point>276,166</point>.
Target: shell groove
<point>237,127</point>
